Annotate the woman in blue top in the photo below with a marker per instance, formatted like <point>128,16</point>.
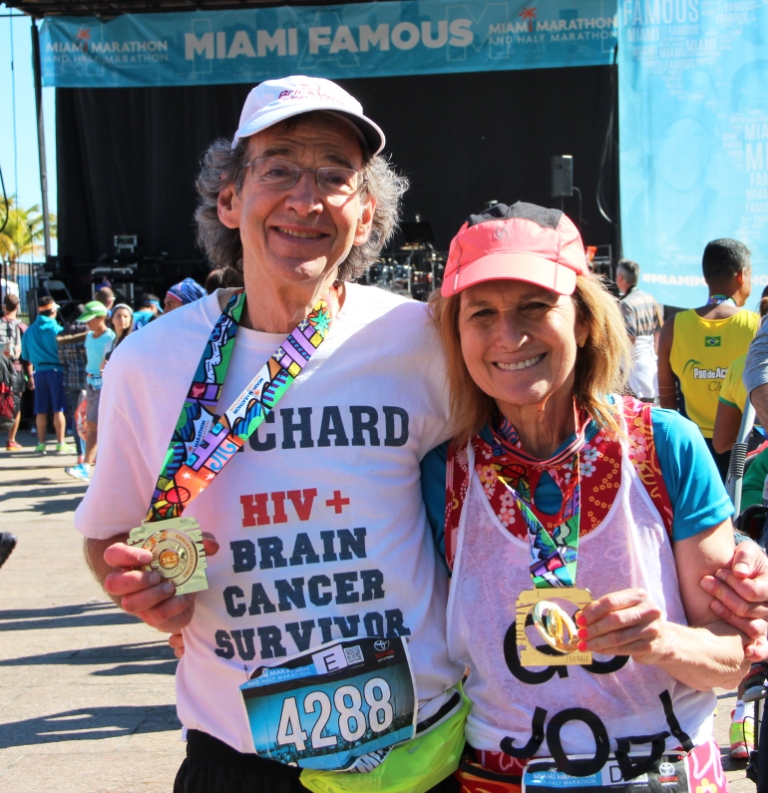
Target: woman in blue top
<point>576,535</point>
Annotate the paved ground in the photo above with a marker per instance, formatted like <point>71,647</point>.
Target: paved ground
<point>86,692</point>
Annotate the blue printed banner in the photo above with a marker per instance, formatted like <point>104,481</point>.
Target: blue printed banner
<point>360,40</point>
<point>694,138</point>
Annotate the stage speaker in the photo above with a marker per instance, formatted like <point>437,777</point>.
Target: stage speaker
<point>562,175</point>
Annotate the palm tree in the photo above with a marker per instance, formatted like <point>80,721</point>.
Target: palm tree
<point>23,235</point>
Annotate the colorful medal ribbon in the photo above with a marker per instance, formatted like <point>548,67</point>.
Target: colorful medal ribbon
<point>553,557</point>
<point>716,300</point>
<point>203,444</point>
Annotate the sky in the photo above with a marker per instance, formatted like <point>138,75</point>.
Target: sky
<point>18,129</point>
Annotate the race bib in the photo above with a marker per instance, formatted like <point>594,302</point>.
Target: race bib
<point>668,776</point>
<point>325,708</point>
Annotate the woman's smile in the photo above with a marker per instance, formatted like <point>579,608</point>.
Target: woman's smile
<point>512,367</point>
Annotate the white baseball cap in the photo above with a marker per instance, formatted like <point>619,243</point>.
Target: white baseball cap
<point>275,100</point>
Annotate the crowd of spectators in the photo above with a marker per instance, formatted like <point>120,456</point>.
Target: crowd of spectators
<point>61,362</point>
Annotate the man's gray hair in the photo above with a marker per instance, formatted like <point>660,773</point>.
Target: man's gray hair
<point>222,166</point>
<point>630,270</point>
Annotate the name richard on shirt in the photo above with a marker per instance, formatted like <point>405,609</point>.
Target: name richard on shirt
<point>353,425</point>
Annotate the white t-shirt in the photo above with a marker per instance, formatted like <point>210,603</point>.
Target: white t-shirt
<point>643,376</point>
<point>321,523</point>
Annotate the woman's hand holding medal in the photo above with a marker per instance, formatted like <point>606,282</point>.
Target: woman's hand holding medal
<point>626,622</point>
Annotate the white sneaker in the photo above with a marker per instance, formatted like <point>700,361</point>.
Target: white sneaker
<point>78,472</point>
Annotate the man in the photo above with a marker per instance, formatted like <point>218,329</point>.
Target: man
<point>320,521</point>
<point>11,331</point>
<point>696,349</point>
<point>149,308</point>
<point>756,383</point>
<point>73,358</point>
<point>106,296</point>
<point>98,342</point>
<point>642,316</point>
<point>38,346</point>
<point>331,478</point>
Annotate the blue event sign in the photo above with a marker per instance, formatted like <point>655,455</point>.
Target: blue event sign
<point>693,115</point>
<point>335,41</point>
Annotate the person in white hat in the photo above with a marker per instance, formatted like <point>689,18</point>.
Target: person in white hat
<point>320,523</point>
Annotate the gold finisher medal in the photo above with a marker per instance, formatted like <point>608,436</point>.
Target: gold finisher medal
<point>177,551</point>
<point>554,624</point>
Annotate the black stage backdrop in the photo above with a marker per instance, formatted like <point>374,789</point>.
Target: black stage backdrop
<point>127,157</point>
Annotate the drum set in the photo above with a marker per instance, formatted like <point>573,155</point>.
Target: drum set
<point>414,270</point>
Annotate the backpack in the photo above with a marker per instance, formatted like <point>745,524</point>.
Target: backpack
<point>11,384</point>
<point>10,335</point>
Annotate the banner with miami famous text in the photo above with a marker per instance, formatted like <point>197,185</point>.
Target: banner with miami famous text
<point>335,41</point>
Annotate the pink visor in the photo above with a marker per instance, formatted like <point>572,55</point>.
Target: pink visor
<point>523,242</point>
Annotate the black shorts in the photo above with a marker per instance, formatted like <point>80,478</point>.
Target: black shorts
<point>212,766</point>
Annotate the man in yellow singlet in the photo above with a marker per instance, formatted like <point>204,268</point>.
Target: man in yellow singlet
<point>696,349</point>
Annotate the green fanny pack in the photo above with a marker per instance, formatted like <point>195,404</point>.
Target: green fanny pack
<point>411,767</point>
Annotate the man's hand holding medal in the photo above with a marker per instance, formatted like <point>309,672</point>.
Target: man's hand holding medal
<point>143,591</point>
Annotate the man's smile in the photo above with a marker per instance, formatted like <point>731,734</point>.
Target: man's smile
<point>304,235</point>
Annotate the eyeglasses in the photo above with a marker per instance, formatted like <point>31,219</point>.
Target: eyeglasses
<point>332,180</point>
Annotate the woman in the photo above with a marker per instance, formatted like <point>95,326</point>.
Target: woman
<point>122,323</point>
<point>149,308</point>
<point>562,496</point>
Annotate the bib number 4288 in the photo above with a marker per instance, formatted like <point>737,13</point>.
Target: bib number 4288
<point>348,706</point>
<point>326,708</point>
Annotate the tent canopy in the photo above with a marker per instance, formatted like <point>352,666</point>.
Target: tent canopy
<point>111,8</point>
